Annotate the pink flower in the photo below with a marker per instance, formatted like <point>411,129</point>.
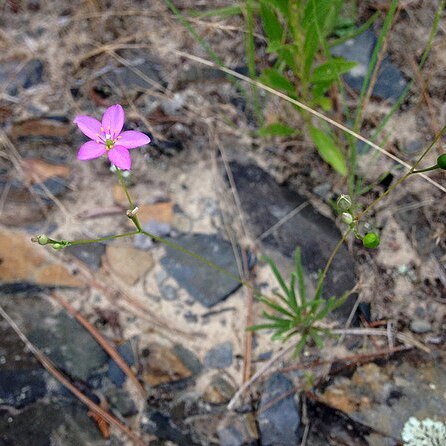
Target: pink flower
<point>107,138</point>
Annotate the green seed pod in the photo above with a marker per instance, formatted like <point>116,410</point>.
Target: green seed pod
<point>42,239</point>
<point>371,240</point>
<point>441,161</point>
<point>57,246</point>
<point>344,202</point>
<point>347,218</point>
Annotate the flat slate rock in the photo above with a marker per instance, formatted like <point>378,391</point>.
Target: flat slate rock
<point>390,82</point>
<point>202,282</point>
<point>219,356</point>
<point>265,203</point>
<point>61,337</point>
<point>49,423</point>
<point>278,417</point>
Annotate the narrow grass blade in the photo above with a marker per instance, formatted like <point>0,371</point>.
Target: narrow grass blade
<point>277,275</point>
<point>300,276</point>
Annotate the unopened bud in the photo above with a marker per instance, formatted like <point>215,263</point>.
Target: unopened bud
<point>132,213</point>
<point>42,239</point>
<point>441,161</point>
<point>347,218</point>
<point>371,240</point>
<point>344,202</point>
<point>57,246</point>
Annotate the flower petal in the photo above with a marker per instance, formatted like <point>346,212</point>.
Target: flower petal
<point>88,126</point>
<point>113,120</point>
<point>120,157</point>
<point>132,139</point>
<point>91,150</point>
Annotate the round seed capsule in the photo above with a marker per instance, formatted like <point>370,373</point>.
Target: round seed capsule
<point>441,161</point>
<point>344,202</point>
<point>371,240</point>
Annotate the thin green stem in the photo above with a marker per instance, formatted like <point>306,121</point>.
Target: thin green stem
<point>124,186</point>
<point>425,170</point>
<point>132,217</point>
<point>251,52</point>
<point>320,282</point>
<point>101,239</point>
<point>196,256</point>
<point>403,178</point>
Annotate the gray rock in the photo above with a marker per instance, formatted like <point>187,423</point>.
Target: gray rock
<point>390,82</point>
<point>420,326</point>
<point>265,203</point>
<point>160,424</point>
<point>219,390</point>
<point>130,76</point>
<point>14,76</point>
<point>56,186</point>
<point>238,430</point>
<point>48,423</point>
<point>155,228</point>
<point>19,388</point>
<point>188,358</point>
<point>116,375</point>
<point>278,418</point>
<point>168,292</point>
<point>219,357</point>
<point>204,283</point>
<point>59,336</point>
<point>91,254</point>
<point>68,345</point>
<point>121,401</point>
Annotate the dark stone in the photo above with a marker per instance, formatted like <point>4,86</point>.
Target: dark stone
<point>32,73</point>
<point>219,357</point>
<point>264,203</point>
<point>68,345</point>
<point>116,375</point>
<point>48,423</point>
<point>238,430</point>
<point>14,77</point>
<point>90,254</point>
<point>390,82</point>
<point>278,418</point>
<point>168,292</point>
<point>136,77</point>
<point>162,426</point>
<point>121,401</point>
<point>204,283</point>
<point>55,185</point>
<point>154,227</point>
<point>188,358</point>
<point>190,317</point>
<point>219,391</point>
<point>19,388</point>
<point>165,147</point>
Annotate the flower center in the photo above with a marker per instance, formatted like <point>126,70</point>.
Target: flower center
<point>109,143</point>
